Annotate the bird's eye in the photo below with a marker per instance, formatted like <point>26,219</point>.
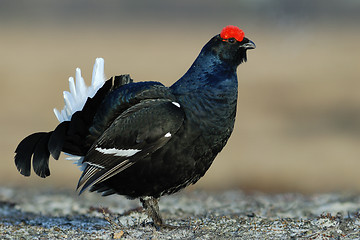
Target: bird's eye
<point>231,40</point>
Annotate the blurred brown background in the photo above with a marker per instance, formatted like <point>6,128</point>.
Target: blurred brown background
<point>298,122</point>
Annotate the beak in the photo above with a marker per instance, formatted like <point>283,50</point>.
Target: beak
<point>248,44</point>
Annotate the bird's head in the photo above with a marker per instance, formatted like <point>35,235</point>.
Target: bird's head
<point>230,45</point>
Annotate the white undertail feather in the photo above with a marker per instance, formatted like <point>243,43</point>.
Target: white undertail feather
<point>79,92</point>
<point>77,160</point>
<point>76,98</point>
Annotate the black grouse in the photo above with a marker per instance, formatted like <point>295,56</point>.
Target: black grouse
<point>142,139</point>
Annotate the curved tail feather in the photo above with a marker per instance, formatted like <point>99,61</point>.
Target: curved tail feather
<point>38,147</point>
<point>56,140</point>
<point>41,157</point>
<point>34,144</point>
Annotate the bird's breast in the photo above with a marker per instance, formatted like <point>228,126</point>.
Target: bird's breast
<point>211,113</point>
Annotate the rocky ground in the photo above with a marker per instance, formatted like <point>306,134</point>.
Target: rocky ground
<point>61,214</point>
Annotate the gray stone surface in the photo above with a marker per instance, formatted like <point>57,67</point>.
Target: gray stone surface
<point>61,214</point>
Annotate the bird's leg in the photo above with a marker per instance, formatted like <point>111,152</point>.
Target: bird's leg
<point>151,207</point>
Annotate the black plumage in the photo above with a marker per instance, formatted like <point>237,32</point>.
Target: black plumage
<point>144,140</point>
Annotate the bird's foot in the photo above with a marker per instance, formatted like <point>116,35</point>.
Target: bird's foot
<point>164,226</point>
<point>151,206</point>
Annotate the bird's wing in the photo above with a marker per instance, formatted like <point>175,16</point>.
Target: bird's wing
<point>134,134</point>
<point>122,98</point>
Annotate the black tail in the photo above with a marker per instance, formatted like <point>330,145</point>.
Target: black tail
<point>69,136</point>
<point>35,147</point>
<point>38,147</point>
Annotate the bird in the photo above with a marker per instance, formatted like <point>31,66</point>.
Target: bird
<point>144,140</point>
